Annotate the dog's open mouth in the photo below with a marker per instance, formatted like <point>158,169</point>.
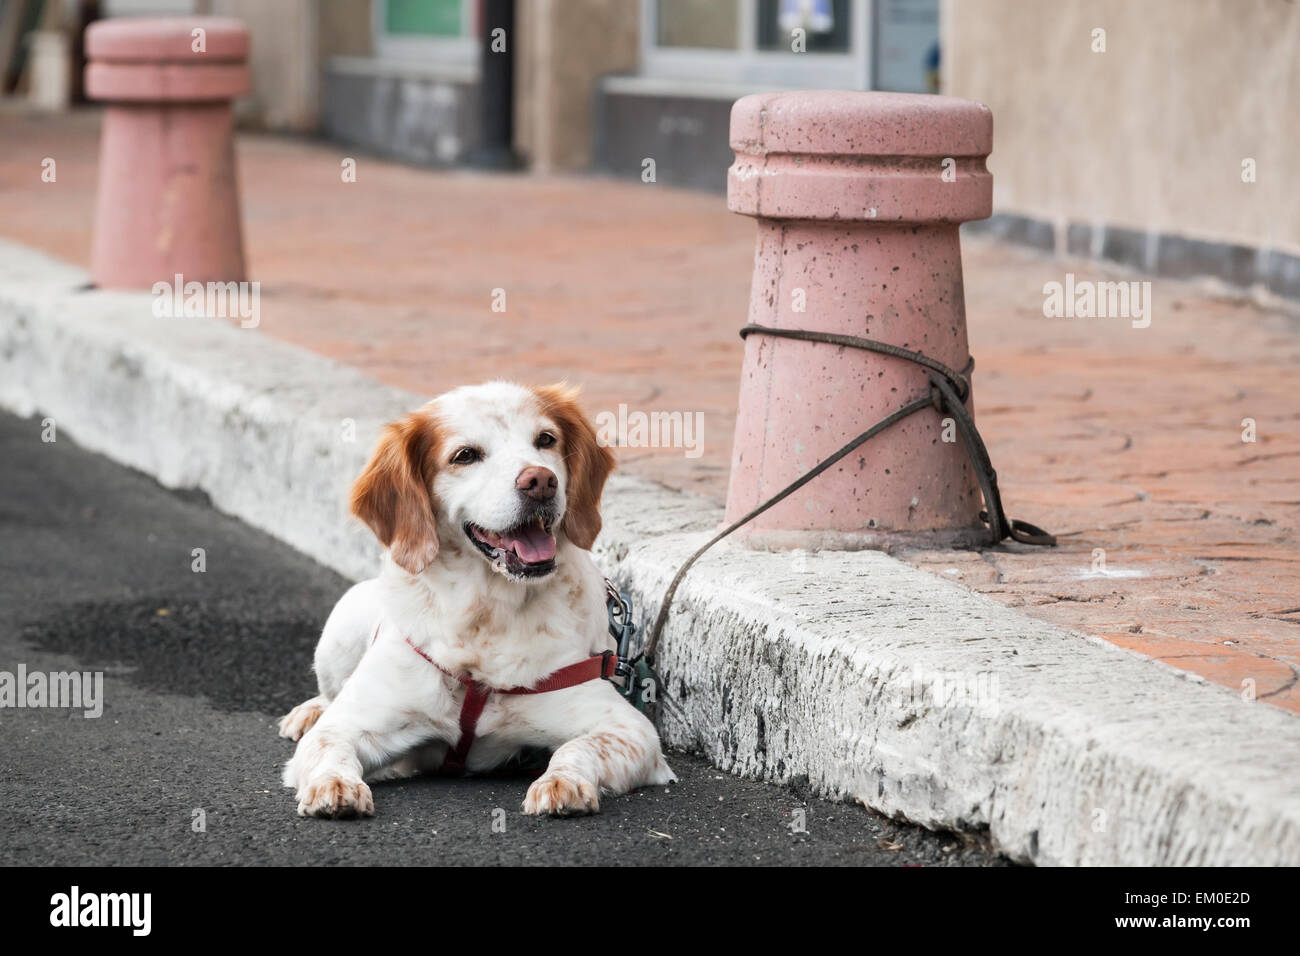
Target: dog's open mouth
<point>525,551</point>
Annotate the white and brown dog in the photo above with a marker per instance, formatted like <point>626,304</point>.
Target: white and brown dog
<point>487,499</point>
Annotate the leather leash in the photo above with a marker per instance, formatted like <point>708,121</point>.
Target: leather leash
<point>949,390</point>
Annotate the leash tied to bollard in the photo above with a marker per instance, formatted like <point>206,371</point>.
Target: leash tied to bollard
<point>949,390</point>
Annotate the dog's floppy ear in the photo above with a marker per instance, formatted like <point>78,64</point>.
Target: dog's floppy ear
<point>393,494</point>
<point>587,462</point>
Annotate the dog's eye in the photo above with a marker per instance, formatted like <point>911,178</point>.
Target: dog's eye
<point>545,440</point>
<point>466,456</point>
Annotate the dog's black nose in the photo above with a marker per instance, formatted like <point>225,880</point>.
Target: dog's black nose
<point>537,483</point>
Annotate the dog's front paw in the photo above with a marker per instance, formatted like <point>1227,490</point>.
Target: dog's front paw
<point>302,718</point>
<point>336,798</point>
<point>562,794</point>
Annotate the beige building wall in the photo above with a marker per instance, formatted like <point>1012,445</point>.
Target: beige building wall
<point>345,28</point>
<point>1152,133</point>
<point>565,47</point>
<point>284,60</point>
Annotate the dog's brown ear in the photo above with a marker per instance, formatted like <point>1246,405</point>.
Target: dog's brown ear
<point>393,494</point>
<point>587,462</point>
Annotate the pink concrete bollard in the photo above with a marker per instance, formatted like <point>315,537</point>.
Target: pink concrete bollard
<point>168,200</point>
<point>858,198</point>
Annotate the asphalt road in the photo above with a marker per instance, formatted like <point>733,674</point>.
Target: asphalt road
<point>183,765</point>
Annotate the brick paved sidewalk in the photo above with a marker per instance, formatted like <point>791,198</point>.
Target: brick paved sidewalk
<point>1178,538</point>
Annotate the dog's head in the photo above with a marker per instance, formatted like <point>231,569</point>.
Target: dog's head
<point>508,467</point>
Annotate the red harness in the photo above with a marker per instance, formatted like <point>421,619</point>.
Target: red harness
<point>477,694</point>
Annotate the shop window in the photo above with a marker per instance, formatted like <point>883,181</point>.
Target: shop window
<point>424,18</point>
<point>835,44</point>
<point>825,25</point>
<point>703,24</point>
<point>432,33</point>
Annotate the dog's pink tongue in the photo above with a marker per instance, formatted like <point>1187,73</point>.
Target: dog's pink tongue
<point>532,544</point>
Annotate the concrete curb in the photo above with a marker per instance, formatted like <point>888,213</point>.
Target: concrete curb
<point>871,679</point>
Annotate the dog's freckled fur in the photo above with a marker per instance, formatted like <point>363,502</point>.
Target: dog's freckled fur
<point>480,619</point>
<point>385,712</point>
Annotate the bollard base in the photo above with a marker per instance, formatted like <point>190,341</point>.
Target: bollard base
<point>857,197</point>
<point>168,203</point>
<point>168,200</point>
<point>889,542</point>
